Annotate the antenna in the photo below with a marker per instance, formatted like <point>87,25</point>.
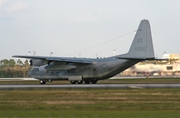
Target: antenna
<point>51,54</point>
<point>29,52</point>
<point>114,52</point>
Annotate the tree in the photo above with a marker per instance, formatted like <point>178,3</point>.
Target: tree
<point>12,68</point>
<point>19,62</point>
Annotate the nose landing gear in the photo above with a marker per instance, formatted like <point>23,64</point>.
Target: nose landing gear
<point>42,82</point>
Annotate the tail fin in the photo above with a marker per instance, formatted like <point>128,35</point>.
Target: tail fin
<point>142,45</point>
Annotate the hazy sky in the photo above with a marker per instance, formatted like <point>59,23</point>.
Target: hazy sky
<point>86,28</point>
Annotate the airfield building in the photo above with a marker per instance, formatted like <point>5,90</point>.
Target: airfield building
<point>169,67</point>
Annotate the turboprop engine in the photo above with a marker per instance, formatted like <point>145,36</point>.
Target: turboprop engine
<point>37,62</point>
<point>59,66</point>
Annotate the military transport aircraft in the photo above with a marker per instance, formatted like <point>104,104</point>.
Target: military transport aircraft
<point>90,70</point>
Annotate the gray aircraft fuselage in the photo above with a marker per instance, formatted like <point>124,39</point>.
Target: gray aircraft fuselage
<point>101,69</point>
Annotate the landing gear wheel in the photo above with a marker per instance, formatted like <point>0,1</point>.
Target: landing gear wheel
<point>73,82</point>
<point>87,81</point>
<point>42,82</point>
<point>80,82</point>
<point>93,81</point>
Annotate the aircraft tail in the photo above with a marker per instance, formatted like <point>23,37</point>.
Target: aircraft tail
<point>142,45</point>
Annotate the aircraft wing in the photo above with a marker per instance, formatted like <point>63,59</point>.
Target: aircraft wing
<point>59,59</point>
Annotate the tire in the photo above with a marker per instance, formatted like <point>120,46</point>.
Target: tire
<point>42,82</point>
<point>73,82</point>
<point>93,81</point>
<point>87,81</point>
<point>80,82</point>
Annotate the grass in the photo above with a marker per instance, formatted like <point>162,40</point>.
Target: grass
<point>92,114</point>
<point>85,103</point>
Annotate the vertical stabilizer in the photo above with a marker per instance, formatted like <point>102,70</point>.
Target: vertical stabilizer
<point>142,45</point>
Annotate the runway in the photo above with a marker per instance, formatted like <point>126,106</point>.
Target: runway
<point>83,86</point>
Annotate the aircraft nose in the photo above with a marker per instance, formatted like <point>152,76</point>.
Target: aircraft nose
<point>29,72</point>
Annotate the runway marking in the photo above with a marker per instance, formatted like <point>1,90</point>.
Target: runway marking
<point>135,87</point>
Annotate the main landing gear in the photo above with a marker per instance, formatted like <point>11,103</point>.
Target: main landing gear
<point>86,81</point>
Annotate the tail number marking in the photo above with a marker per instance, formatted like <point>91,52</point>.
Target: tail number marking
<point>140,48</point>
<point>140,40</point>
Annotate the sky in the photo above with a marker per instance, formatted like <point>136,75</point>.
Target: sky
<point>85,28</point>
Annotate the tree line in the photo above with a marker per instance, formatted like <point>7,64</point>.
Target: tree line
<point>14,68</point>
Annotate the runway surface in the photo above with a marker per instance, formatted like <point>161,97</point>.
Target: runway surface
<point>71,86</point>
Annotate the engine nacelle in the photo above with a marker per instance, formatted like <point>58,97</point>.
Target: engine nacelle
<point>37,62</point>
